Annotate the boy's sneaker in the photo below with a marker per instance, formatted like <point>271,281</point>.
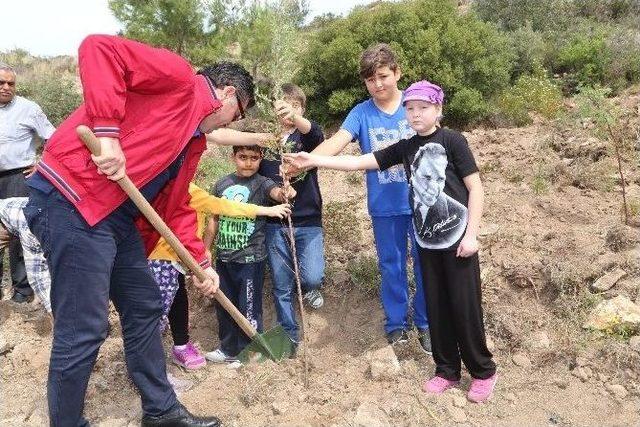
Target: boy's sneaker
<point>438,385</point>
<point>314,298</point>
<point>424,337</point>
<point>481,390</point>
<point>399,336</point>
<point>188,357</point>
<point>219,356</point>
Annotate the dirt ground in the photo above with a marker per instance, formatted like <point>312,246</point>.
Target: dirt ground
<point>552,225</point>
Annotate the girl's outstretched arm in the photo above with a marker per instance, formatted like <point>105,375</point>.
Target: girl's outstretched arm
<point>345,163</point>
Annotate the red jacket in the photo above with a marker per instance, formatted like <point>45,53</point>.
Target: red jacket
<point>153,102</point>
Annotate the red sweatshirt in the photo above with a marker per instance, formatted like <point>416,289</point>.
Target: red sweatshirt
<point>153,102</point>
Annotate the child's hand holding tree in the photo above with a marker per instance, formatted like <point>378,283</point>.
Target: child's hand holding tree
<point>278,211</point>
<point>284,110</point>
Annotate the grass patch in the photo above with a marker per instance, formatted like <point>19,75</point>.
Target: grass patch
<point>354,178</point>
<point>364,274</point>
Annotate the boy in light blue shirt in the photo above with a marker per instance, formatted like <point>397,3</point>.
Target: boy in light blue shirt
<point>377,123</point>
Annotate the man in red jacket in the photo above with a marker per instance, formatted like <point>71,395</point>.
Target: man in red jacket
<point>147,108</point>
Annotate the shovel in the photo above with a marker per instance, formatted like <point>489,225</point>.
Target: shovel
<point>273,344</point>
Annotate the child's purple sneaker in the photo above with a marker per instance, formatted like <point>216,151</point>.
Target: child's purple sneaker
<point>188,357</point>
<point>438,385</point>
<point>480,390</point>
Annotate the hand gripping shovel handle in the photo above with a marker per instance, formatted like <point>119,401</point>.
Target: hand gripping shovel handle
<point>91,141</point>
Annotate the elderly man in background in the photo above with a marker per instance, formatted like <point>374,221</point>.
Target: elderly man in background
<point>21,121</point>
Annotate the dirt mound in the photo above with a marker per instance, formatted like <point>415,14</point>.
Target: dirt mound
<point>552,226</point>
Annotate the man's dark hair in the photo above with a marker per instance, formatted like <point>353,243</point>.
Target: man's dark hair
<point>254,148</point>
<point>231,74</point>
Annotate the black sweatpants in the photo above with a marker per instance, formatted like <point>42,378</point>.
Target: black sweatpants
<point>452,291</point>
<point>179,314</point>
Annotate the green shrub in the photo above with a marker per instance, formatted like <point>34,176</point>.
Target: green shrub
<point>58,96</point>
<point>530,94</point>
<point>530,50</point>
<point>513,14</point>
<point>584,57</point>
<point>432,41</point>
<point>466,104</point>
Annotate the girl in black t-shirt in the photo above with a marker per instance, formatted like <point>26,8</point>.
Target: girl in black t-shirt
<point>446,199</point>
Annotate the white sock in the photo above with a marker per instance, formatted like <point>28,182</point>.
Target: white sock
<point>180,347</point>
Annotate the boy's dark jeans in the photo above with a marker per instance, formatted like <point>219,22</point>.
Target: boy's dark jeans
<point>242,284</point>
<point>89,266</point>
<point>13,184</point>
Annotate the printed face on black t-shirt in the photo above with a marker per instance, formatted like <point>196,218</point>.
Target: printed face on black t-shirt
<point>439,220</point>
<point>428,173</point>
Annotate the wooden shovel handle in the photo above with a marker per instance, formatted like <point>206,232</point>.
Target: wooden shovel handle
<point>92,142</point>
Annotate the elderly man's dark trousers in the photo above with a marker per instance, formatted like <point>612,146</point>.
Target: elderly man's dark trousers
<point>12,184</point>
<point>89,266</point>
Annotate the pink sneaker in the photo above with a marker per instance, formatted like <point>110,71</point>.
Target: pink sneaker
<point>189,357</point>
<point>438,385</point>
<point>480,390</point>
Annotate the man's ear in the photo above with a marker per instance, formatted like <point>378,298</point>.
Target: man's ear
<point>229,91</point>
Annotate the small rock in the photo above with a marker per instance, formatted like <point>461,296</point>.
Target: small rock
<point>370,415</point>
<point>582,361</point>
<point>634,343</point>
<point>491,345</point>
<point>5,346</point>
<point>539,341</point>
<point>616,314</point>
<point>384,364</point>
<point>561,383</point>
<point>617,390</point>
<point>583,373</point>
<point>279,408</point>
<point>608,281</point>
<point>510,397</point>
<point>459,401</point>
<point>630,374</point>
<point>603,377</point>
<point>410,367</point>
<point>456,414</point>
<point>521,359</point>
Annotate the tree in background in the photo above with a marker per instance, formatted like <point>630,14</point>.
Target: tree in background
<point>206,30</point>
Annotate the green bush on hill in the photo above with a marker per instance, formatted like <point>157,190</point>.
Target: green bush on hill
<point>433,41</point>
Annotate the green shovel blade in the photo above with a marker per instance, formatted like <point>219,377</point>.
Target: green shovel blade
<point>274,344</point>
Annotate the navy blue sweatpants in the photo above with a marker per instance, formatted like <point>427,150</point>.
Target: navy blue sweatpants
<point>89,266</point>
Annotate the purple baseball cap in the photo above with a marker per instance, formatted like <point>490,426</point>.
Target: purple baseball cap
<point>424,91</point>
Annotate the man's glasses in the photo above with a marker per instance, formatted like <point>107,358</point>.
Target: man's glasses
<point>12,83</point>
<point>240,114</point>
